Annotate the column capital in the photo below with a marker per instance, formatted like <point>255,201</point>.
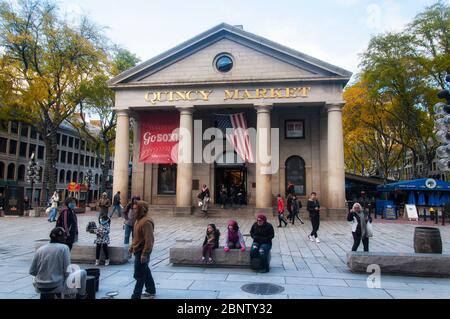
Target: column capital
<point>334,107</point>
<point>123,113</point>
<point>185,110</point>
<point>263,107</point>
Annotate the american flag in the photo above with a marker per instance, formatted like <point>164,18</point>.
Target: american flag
<point>238,137</point>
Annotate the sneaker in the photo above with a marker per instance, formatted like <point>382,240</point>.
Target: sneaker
<point>107,262</point>
<point>210,261</point>
<point>97,262</point>
<point>317,240</point>
<point>311,238</point>
<point>203,259</point>
<point>148,295</point>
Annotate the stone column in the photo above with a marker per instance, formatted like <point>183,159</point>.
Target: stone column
<point>336,170</point>
<point>263,164</point>
<point>122,155</point>
<point>138,171</point>
<point>184,166</point>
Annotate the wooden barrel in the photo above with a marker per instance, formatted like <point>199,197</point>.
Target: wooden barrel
<point>427,240</point>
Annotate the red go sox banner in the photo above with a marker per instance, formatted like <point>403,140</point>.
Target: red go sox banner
<point>159,138</point>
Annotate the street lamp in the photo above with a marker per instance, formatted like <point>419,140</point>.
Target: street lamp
<point>32,175</point>
<point>88,179</point>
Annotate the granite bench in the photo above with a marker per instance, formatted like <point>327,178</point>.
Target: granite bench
<point>410,264</point>
<point>192,256</point>
<point>85,254</point>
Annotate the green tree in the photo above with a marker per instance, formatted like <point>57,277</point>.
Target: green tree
<point>49,62</point>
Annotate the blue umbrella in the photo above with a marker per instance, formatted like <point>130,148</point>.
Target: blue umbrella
<point>411,198</point>
<point>445,199</point>
<point>421,201</point>
<point>430,199</point>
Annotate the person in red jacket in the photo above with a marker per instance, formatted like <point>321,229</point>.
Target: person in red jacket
<point>280,203</point>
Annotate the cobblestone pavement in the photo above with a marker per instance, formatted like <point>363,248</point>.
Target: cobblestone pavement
<point>305,269</point>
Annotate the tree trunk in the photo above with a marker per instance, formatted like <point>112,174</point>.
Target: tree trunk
<point>106,166</point>
<point>49,181</point>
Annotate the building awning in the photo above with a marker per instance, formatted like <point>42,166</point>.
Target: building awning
<point>424,184</point>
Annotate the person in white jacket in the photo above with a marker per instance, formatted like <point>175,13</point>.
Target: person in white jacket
<point>233,237</point>
<point>53,207</point>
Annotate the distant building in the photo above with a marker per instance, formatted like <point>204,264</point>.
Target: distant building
<point>76,156</point>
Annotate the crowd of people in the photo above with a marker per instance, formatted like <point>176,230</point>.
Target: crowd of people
<point>50,265</point>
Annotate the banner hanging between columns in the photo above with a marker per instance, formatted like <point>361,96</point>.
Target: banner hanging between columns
<point>159,138</point>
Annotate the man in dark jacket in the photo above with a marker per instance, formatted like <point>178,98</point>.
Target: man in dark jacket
<point>313,208</point>
<point>262,233</point>
<point>116,205</point>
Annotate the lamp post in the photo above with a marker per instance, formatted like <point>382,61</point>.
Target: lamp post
<point>32,175</point>
<point>88,181</point>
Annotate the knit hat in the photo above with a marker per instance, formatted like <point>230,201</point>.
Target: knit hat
<point>262,216</point>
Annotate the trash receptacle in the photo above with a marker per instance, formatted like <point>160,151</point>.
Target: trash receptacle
<point>427,240</point>
<point>90,287</point>
<point>96,273</point>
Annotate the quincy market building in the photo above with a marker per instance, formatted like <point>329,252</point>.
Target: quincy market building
<point>229,78</point>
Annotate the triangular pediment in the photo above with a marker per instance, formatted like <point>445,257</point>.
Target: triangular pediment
<point>254,58</point>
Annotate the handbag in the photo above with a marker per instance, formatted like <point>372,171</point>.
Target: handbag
<point>369,229</point>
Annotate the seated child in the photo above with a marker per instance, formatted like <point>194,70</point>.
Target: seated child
<point>233,237</point>
<point>211,242</point>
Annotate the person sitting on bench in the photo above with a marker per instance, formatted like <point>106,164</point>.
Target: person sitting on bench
<point>233,237</point>
<point>262,233</point>
<point>52,269</point>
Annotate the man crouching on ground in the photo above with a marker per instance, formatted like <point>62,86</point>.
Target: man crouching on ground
<point>142,248</point>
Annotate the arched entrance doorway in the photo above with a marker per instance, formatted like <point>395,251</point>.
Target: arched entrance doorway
<point>231,172</point>
<point>295,174</point>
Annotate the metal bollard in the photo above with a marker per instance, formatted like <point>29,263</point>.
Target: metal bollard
<point>424,215</point>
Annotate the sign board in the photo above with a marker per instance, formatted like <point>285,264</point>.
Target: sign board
<point>73,187</point>
<point>389,212</point>
<point>411,211</point>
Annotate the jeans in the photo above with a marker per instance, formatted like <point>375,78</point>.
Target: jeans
<point>261,251</point>
<point>118,209</point>
<point>281,219</point>
<point>143,276</point>
<point>128,232</point>
<point>52,215</point>
<point>105,251</point>
<point>234,245</point>
<point>315,221</point>
<point>357,240</point>
<point>207,250</point>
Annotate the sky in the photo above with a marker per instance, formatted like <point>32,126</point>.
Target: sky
<point>336,31</point>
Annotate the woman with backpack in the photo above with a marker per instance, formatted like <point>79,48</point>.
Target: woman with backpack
<point>68,220</point>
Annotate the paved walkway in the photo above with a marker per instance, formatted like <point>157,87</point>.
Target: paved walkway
<point>305,269</point>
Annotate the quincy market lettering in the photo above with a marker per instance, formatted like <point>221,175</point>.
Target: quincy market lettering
<point>204,95</point>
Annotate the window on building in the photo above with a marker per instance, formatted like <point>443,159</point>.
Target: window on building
<point>57,156</point>
<point>12,147</point>
<point>69,157</point>
<point>64,140</point>
<point>68,177</point>
<point>295,174</point>
<point>81,177</point>
<point>21,173</point>
<point>75,159</point>
<point>74,177</point>
<point>11,172</point>
<point>58,139</point>
<point>3,126</point>
<point>96,179</point>
<point>167,179</point>
<point>61,176</point>
<point>97,163</point>
<point>63,156</point>
<point>81,160</point>
<point>41,152</point>
<point>24,130</point>
<point>3,144</point>
<point>33,133</point>
<point>92,161</point>
<point>14,127</point>
<point>2,170</point>
<point>71,142</point>
<point>31,150</point>
<point>87,161</point>
<point>83,145</point>
<point>77,143</point>
<point>23,149</point>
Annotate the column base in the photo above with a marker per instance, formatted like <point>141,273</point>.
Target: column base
<point>268,211</point>
<point>336,214</point>
<point>182,211</point>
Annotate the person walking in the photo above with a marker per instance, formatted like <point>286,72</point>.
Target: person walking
<point>313,208</point>
<point>51,269</point>
<point>116,205</point>
<point>296,205</point>
<point>129,215</point>
<point>233,237</point>
<point>280,208</point>
<point>205,197</point>
<point>2,205</point>
<point>262,234</point>
<point>211,242</point>
<point>104,203</point>
<point>68,221</point>
<point>223,196</point>
<point>102,241</point>
<point>360,227</point>
<point>53,207</point>
<point>142,247</point>
<point>289,206</point>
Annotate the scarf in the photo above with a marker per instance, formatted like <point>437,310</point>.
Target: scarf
<point>363,224</point>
